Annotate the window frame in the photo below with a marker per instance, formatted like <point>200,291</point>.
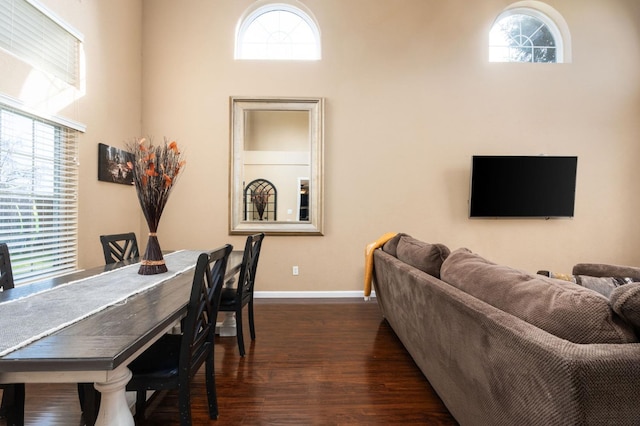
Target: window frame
<point>55,215</point>
<point>550,17</point>
<point>261,8</point>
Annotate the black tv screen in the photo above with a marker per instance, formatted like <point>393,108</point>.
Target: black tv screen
<point>522,186</point>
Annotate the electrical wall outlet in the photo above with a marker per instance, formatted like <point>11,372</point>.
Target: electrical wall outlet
<point>295,270</point>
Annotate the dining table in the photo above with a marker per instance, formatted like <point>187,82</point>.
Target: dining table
<point>47,337</point>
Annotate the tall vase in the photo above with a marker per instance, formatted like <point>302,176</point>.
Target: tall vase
<point>152,261</point>
<point>260,206</point>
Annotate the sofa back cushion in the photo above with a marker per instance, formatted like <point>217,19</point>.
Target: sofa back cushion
<point>424,256</point>
<point>563,309</point>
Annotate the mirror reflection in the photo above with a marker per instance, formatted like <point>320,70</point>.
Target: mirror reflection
<point>276,184</point>
<point>276,149</point>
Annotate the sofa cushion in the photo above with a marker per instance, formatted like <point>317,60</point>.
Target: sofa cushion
<point>603,285</point>
<point>424,256</point>
<point>563,309</point>
<point>625,301</point>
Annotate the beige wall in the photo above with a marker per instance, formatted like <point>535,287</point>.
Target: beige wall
<point>410,97</point>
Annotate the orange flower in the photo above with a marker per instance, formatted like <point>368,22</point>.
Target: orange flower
<point>155,168</point>
<point>151,171</point>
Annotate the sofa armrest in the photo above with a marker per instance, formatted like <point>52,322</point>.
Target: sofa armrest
<point>605,270</point>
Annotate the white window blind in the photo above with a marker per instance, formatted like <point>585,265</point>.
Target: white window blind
<point>38,195</point>
<point>40,39</point>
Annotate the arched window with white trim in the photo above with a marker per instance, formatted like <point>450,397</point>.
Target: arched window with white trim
<point>529,31</point>
<point>277,31</point>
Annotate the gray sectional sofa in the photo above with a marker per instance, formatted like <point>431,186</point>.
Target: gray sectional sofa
<point>506,347</point>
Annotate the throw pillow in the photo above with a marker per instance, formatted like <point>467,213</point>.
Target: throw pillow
<point>606,270</point>
<point>558,276</point>
<point>625,301</point>
<point>391,246</point>
<point>563,309</point>
<point>424,256</point>
<point>603,285</point>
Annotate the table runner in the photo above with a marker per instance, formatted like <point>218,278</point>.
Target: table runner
<point>37,315</point>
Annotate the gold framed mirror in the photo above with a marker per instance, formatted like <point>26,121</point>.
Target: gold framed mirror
<point>276,171</point>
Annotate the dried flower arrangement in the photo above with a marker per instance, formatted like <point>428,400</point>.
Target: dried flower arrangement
<point>155,170</point>
<point>260,198</point>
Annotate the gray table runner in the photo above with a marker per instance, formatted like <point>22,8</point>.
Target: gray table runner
<point>38,315</point>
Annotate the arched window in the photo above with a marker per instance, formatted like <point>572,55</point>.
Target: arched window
<point>277,31</point>
<point>529,31</point>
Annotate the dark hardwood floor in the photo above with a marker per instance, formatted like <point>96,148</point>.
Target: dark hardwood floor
<point>315,362</point>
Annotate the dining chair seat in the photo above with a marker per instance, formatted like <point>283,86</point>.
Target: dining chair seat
<point>159,365</point>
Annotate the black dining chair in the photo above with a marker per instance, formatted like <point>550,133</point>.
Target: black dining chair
<point>173,360</point>
<point>234,299</point>
<point>119,247</point>
<point>12,406</point>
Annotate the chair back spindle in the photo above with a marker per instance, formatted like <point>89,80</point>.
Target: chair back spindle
<point>119,247</point>
<point>247,276</point>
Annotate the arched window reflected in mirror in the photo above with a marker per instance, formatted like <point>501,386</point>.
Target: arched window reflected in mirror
<point>260,200</point>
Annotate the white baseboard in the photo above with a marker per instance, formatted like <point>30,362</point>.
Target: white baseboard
<point>309,294</point>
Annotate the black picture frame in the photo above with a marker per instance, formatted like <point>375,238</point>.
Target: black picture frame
<point>112,165</point>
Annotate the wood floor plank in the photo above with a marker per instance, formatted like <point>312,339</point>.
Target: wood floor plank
<point>315,362</point>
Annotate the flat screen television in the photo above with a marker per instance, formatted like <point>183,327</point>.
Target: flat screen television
<point>522,186</point>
